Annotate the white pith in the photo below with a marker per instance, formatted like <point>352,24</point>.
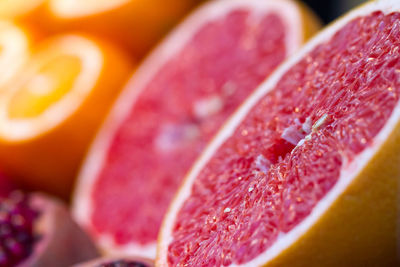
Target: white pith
<point>15,8</point>
<point>15,50</point>
<point>291,16</point>
<point>348,172</point>
<point>91,59</point>
<point>80,8</point>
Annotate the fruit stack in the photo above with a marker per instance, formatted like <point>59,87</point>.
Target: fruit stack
<point>235,141</point>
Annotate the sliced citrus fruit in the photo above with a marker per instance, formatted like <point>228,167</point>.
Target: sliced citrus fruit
<point>15,49</point>
<point>134,24</point>
<point>172,107</point>
<point>306,172</point>
<point>54,106</point>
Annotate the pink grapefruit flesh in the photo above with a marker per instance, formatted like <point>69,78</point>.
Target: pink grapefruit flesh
<point>197,78</point>
<point>288,151</point>
<point>176,115</point>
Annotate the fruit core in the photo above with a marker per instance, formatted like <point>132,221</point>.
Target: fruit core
<point>289,150</point>
<point>123,263</point>
<point>17,236</point>
<point>176,115</point>
<point>45,86</point>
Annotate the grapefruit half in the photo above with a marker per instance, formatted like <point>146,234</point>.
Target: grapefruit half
<point>53,106</point>
<point>306,172</point>
<point>171,108</point>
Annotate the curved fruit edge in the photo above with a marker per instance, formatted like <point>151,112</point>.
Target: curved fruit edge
<point>235,120</point>
<point>96,155</point>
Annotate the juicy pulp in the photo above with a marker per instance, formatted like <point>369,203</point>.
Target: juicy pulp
<point>289,150</point>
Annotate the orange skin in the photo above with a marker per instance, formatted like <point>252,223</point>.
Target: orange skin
<point>51,160</point>
<point>136,26</point>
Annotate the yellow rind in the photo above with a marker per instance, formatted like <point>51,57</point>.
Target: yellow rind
<point>311,23</point>
<point>361,226</point>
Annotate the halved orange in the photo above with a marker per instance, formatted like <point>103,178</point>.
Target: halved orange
<point>135,24</point>
<point>53,108</point>
<point>15,49</point>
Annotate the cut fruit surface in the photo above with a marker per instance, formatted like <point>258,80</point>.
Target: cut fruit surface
<point>306,172</point>
<point>172,107</point>
<point>53,107</point>
<point>134,24</point>
<point>15,49</point>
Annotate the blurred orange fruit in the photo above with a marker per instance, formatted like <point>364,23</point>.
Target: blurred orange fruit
<point>53,108</point>
<point>15,48</point>
<point>135,24</point>
<point>12,9</point>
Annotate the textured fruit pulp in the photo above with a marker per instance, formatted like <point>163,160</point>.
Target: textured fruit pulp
<point>288,151</point>
<point>178,112</point>
<point>16,229</point>
<point>46,87</point>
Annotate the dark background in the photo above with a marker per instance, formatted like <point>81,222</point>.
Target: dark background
<point>328,10</point>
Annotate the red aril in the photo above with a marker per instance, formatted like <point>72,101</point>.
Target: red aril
<point>172,107</point>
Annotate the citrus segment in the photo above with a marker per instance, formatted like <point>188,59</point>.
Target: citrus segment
<point>136,25</point>
<point>50,85</point>
<point>54,106</point>
<point>263,186</point>
<point>170,110</point>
